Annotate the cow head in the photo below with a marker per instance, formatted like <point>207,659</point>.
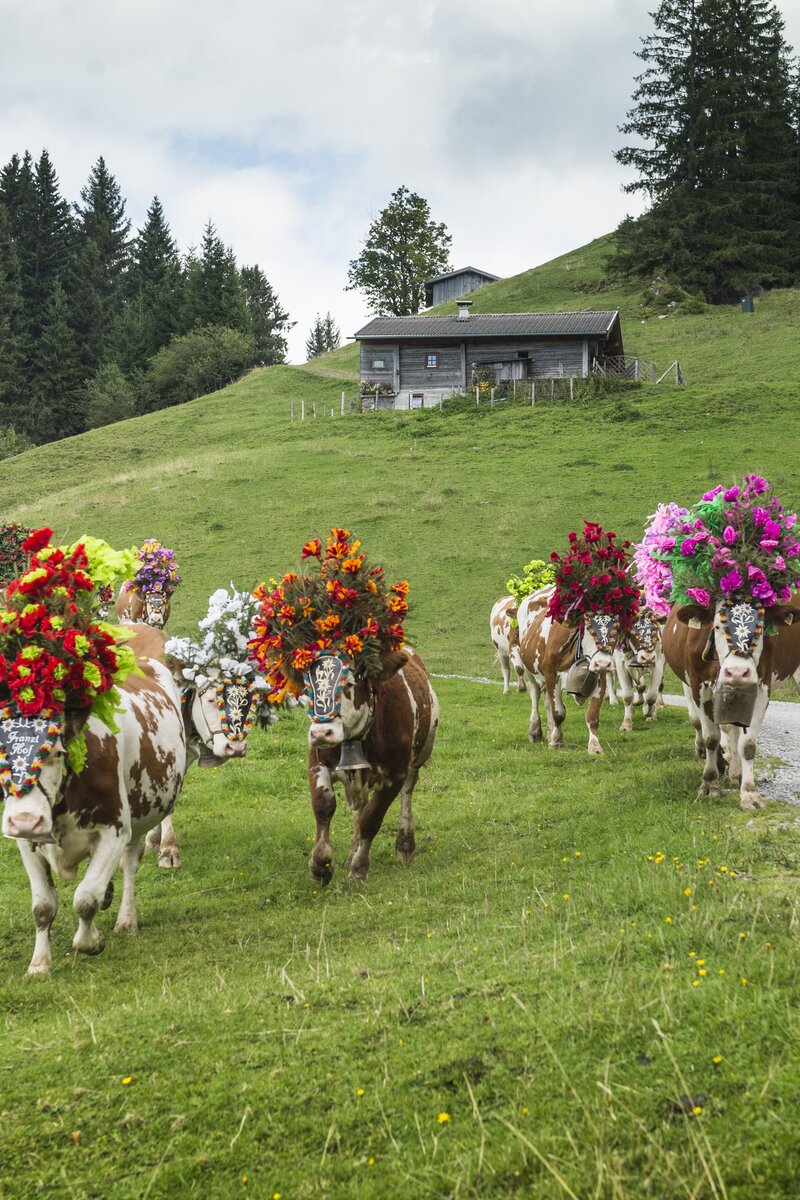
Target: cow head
<point>600,637</point>
<point>642,640</point>
<point>33,770</point>
<point>736,633</point>
<point>155,609</point>
<point>340,702</point>
<point>219,716</point>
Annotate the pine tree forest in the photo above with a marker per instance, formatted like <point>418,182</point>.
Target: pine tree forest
<point>717,116</point>
<point>98,323</point>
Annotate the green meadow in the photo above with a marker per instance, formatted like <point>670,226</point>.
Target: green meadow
<point>586,984</point>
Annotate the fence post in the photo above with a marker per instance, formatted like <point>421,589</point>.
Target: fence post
<point>302,410</point>
<point>571,392</point>
<point>315,410</point>
<point>533,392</point>
<point>514,389</point>
<point>342,403</point>
<point>491,396</point>
<point>293,410</point>
<point>477,395</point>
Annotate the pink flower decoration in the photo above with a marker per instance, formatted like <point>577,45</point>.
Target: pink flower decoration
<point>700,595</point>
<point>731,494</point>
<point>729,535</point>
<point>731,583</point>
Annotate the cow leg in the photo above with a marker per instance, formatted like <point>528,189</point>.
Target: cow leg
<point>626,689</point>
<point>749,795</point>
<point>555,714</point>
<point>504,670</point>
<point>593,716</point>
<point>169,856</point>
<point>127,921</point>
<point>91,891</point>
<point>695,720</point>
<point>535,723</point>
<point>323,802</point>
<point>518,665</point>
<point>711,742</point>
<point>611,691</point>
<point>367,824</point>
<point>44,903</point>
<point>654,688</point>
<point>405,843</point>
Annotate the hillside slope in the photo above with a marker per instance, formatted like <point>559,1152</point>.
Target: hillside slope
<point>454,502</point>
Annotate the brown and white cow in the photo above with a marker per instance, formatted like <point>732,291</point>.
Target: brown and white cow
<point>130,782</point>
<point>217,718</point>
<point>720,654</point>
<point>639,665</point>
<point>394,721</point>
<point>150,608</point>
<point>505,640</point>
<point>550,651</point>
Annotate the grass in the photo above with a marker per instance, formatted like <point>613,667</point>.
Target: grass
<point>531,975</point>
<point>309,1041</point>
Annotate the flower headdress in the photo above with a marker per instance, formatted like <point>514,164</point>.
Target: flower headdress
<point>536,574</point>
<point>344,607</point>
<point>12,556</point>
<point>652,571</point>
<point>735,542</point>
<point>592,578</point>
<point>157,570</point>
<point>227,629</point>
<point>55,656</point>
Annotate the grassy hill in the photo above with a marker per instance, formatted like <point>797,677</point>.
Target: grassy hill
<point>455,502</point>
<point>586,982</point>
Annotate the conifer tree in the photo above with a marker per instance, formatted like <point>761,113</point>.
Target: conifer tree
<point>213,293</point>
<point>55,382</point>
<point>102,259</point>
<point>269,322</point>
<point>153,293</point>
<point>11,339</point>
<point>719,164</point>
<point>324,336</point>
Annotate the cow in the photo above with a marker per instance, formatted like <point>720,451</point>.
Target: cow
<point>217,718</point>
<point>393,720</point>
<point>552,653</point>
<point>134,606</point>
<point>506,642</point>
<point>130,782</point>
<point>639,665</point>
<point>723,654</point>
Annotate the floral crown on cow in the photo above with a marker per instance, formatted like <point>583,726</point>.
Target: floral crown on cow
<point>56,658</point>
<point>339,605</point>
<point>737,543</point>
<point>592,578</point>
<point>157,570</point>
<point>226,629</point>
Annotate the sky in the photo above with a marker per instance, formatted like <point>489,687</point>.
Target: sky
<point>290,125</point>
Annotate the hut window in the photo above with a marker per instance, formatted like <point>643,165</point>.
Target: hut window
<point>432,360</point>
<point>377,364</point>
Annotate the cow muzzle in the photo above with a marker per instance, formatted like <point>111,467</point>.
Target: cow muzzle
<point>329,733</point>
<point>738,672</point>
<point>29,822</point>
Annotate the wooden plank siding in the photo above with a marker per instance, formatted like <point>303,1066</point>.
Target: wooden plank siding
<point>547,358</point>
<point>458,285</point>
<point>415,376</point>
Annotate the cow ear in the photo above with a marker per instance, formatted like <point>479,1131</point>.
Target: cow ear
<point>391,664</point>
<point>695,615</point>
<point>782,614</point>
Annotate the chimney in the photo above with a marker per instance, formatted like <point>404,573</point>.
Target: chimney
<point>463,309</point>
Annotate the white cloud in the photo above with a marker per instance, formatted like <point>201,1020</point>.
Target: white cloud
<point>290,125</point>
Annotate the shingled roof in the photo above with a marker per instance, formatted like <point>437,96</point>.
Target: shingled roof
<point>481,325</point>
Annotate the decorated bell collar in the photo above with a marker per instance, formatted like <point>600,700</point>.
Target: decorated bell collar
<point>743,624</point>
<point>325,679</point>
<point>604,628</point>
<point>643,633</point>
<point>237,702</point>
<point>25,745</point>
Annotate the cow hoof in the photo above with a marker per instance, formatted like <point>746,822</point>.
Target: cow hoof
<point>170,860</point>
<point>109,896</point>
<point>358,874</point>
<point>708,789</point>
<point>597,750</point>
<point>131,927</point>
<point>534,735</point>
<point>39,969</point>
<point>405,847</point>
<point>153,839</point>
<point>626,727</point>
<point>321,872</point>
<point>751,800</point>
<point>92,947</point>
